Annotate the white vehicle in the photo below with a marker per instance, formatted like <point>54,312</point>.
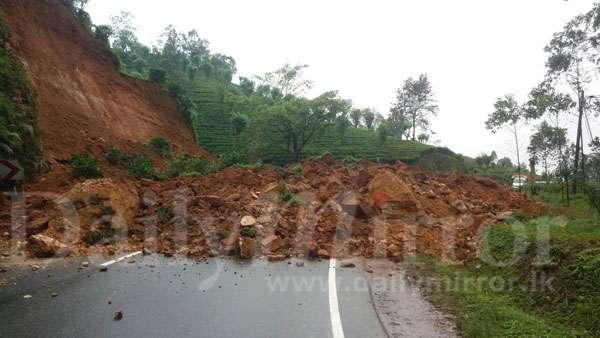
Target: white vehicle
<point>519,181</point>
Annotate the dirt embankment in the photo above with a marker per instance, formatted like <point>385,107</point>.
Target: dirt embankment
<point>326,210</point>
<point>83,101</point>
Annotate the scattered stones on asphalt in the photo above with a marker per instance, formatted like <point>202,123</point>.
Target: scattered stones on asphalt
<point>348,265</point>
<point>118,315</point>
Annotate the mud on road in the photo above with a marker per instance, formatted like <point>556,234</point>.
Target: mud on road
<point>319,209</point>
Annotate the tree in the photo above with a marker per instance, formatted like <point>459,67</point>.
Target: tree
<point>341,127</point>
<point>239,122</point>
<point>123,37</point>
<point>288,80</point>
<point>424,138</point>
<point>383,130</point>
<point>414,106</point>
<point>573,58</point>
<point>507,114</point>
<point>369,117</point>
<point>543,144</point>
<point>356,115</point>
<point>293,122</point>
<point>247,86</point>
<point>505,162</point>
<point>485,161</point>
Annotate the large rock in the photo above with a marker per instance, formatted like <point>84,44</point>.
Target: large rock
<point>272,243</point>
<point>393,194</point>
<point>104,202</point>
<point>43,246</point>
<point>247,247</point>
<point>248,221</point>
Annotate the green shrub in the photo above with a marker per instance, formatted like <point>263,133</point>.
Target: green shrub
<point>255,166</point>
<point>19,137</point>
<point>284,192</point>
<point>141,166</point>
<point>85,166</point>
<point>296,200</point>
<point>593,195</point>
<point>297,169</point>
<point>224,233</point>
<point>157,75</point>
<point>229,159</point>
<point>248,232</point>
<point>350,159</point>
<point>107,211</point>
<point>164,213</point>
<point>115,156</point>
<point>4,32</point>
<point>96,200</point>
<point>193,174</point>
<point>586,269</point>
<point>161,145</point>
<point>183,164</point>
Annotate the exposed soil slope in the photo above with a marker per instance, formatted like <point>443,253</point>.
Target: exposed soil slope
<point>84,102</point>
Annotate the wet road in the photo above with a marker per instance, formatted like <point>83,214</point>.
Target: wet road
<point>167,297</point>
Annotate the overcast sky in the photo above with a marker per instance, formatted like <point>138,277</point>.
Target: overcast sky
<point>474,51</point>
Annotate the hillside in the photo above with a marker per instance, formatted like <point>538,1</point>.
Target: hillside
<point>83,101</point>
<point>212,125</point>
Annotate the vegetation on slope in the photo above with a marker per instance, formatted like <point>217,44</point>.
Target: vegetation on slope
<point>547,285</point>
<point>18,125</point>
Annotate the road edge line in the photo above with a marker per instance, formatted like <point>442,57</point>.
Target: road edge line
<point>120,259</point>
<point>334,311</point>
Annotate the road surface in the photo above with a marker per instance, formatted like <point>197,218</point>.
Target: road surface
<point>167,297</point>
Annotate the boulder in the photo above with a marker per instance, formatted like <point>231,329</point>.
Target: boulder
<point>43,246</point>
<point>105,201</point>
<point>323,253</point>
<point>459,205</point>
<point>248,221</point>
<point>38,225</point>
<point>272,243</point>
<point>247,247</point>
<point>276,257</point>
<point>393,194</point>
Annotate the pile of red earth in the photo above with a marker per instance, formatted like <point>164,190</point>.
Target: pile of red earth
<point>317,210</point>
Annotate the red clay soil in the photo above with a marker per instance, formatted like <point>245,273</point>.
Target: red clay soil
<point>360,210</point>
<point>84,102</point>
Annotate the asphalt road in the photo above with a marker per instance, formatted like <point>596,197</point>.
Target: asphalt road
<point>162,297</point>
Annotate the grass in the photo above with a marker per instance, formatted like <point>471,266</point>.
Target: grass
<point>510,300</point>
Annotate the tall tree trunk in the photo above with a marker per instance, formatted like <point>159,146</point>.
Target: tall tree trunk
<point>414,123</point>
<point>518,157</point>
<point>578,144</point>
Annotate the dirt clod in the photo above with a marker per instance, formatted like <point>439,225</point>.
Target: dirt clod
<point>118,315</point>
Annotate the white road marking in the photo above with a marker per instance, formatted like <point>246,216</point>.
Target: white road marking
<point>334,311</point>
<point>121,258</point>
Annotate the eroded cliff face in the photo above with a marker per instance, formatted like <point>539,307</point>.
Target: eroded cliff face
<point>84,102</point>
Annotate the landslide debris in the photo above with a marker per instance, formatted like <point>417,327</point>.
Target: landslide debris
<point>327,210</point>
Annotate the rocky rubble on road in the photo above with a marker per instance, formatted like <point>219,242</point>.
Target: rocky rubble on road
<point>327,210</point>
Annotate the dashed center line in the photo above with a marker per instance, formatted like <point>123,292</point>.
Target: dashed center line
<point>334,311</point>
<point>121,258</point>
